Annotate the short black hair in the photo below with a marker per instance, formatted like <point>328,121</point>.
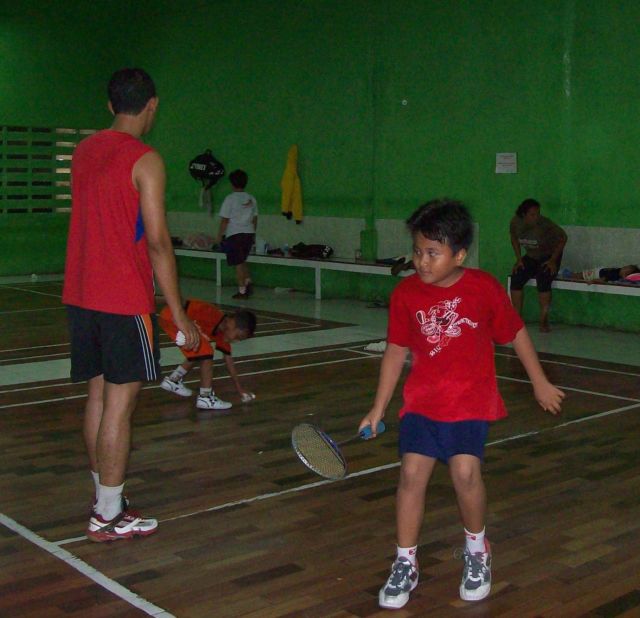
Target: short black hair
<point>238,179</point>
<point>130,90</point>
<point>245,321</point>
<point>526,206</point>
<point>445,220</point>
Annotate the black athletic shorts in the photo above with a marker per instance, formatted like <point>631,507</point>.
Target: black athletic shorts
<point>123,348</point>
<point>238,247</point>
<point>533,268</point>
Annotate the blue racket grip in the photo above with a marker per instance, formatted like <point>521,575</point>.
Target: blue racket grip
<point>365,434</point>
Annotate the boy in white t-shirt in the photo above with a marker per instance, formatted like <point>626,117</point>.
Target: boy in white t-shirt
<point>238,221</point>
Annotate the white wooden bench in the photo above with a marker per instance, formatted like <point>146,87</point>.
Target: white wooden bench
<point>621,289</point>
<point>317,265</point>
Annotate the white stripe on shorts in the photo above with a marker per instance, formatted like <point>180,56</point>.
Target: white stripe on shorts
<point>147,351</point>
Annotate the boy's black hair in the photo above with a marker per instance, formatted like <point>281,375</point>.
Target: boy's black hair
<point>129,91</point>
<point>246,321</point>
<point>238,179</point>
<point>526,206</point>
<point>447,221</point>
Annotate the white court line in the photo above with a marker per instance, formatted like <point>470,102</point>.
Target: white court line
<point>248,373</point>
<point>575,390</point>
<point>286,329</point>
<point>33,347</point>
<point>85,569</point>
<point>368,471</point>
<point>10,287</point>
<point>237,361</point>
<point>166,343</point>
<point>32,310</point>
<point>304,366</point>
<point>565,364</point>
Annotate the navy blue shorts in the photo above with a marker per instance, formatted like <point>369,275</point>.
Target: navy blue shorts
<point>419,434</point>
<point>237,248</point>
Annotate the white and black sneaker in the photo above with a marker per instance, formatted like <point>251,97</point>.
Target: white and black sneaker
<point>211,402</point>
<point>176,387</point>
<point>403,579</point>
<point>476,575</point>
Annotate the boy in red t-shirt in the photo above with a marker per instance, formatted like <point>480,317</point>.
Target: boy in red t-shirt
<point>448,317</point>
<point>219,331</point>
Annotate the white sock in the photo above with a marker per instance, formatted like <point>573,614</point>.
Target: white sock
<point>96,482</point>
<point>109,501</point>
<point>407,552</point>
<point>178,373</point>
<point>205,392</point>
<point>474,541</point>
<point>242,289</point>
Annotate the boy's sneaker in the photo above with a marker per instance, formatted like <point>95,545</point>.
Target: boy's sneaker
<point>211,402</point>
<point>249,288</point>
<point>126,525</point>
<point>242,295</point>
<point>476,576</point>
<point>403,579</point>
<point>178,388</point>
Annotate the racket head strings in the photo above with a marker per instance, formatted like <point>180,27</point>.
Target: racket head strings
<point>318,451</point>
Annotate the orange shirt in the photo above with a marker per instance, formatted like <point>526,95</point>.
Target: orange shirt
<point>208,317</point>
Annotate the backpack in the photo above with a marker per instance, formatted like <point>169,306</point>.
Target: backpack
<point>207,169</point>
<point>311,252</point>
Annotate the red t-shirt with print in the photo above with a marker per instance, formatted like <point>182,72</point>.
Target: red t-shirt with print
<point>451,332</point>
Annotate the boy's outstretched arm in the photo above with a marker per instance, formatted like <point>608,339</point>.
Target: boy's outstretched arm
<point>231,368</point>
<point>547,395</point>
<point>390,370</point>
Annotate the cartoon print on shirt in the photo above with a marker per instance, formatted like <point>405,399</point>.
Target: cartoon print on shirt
<point>442,322</point>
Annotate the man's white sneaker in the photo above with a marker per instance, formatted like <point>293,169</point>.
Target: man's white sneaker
<point>403,579</point>
<point>178,388</point>
<point>476,576</point>
<point>125,526</point>
<point>211,402</point>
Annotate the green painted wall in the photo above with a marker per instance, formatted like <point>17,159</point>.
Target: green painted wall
<point>55,58</point>
<point>390,102</point>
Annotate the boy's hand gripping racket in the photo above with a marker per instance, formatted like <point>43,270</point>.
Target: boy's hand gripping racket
<point>320,453</point>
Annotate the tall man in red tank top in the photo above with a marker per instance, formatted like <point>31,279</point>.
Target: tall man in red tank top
<point>118,239</point>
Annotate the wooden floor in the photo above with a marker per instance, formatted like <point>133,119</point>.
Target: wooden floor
<point>246,530</point>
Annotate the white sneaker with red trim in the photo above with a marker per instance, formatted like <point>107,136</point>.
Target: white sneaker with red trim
<point>402,581</point>
<point>476,575</point>
<point>126,525</point>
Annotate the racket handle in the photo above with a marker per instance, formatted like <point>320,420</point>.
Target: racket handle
<point>365,434</point>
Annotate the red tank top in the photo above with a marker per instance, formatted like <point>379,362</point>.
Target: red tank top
<point>108,267</point>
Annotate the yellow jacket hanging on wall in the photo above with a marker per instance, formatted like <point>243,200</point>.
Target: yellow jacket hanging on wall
<point>291,188</point>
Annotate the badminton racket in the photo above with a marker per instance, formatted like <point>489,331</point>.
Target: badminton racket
<point>320,453</point>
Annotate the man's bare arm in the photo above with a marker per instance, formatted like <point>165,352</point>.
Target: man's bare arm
<point>149,178</point>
